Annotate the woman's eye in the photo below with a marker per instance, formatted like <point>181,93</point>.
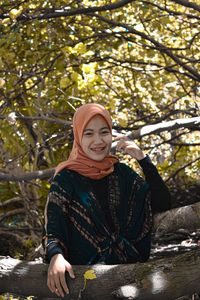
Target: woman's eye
<point>105,132</point>
<point>88,133</point>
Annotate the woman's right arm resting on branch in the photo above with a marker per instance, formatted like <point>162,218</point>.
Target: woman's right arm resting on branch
<point>55,241</point>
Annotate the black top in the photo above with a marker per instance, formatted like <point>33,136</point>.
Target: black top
<point>160,196</point>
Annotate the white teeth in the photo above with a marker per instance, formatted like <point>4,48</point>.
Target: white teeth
<point>97,149</point>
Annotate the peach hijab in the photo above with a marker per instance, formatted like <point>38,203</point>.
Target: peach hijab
<point>78,160</point>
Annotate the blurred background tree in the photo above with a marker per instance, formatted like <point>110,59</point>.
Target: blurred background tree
<point>140,59</point>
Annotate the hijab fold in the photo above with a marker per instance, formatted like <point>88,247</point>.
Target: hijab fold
<point>78,160</point>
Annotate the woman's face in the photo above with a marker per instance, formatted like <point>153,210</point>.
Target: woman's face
<point>97,138</point>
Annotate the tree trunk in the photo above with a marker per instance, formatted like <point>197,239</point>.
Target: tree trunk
<point>185,217</point>
<point>161,279</point>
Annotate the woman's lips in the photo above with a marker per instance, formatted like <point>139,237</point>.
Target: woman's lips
<point>98,150</point>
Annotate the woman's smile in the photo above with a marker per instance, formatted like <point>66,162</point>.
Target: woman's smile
<point>98,149</point>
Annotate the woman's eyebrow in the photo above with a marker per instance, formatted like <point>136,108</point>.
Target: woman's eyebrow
<point>88,129</point>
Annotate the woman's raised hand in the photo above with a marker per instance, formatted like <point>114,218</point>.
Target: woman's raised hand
<point>56,275</point>
<point>129,147</point>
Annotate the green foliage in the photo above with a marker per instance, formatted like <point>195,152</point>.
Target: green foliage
<point>140,60</point>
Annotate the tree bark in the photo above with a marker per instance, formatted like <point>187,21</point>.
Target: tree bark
<point>185,217</point>
<point>161,279</point>
<point>166,278</point>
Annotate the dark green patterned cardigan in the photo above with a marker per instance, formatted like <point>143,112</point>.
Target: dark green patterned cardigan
<point>75,221</point>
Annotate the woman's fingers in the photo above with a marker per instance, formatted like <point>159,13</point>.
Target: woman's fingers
<point>59,290</point>
<point>64,284</point>
<point>129,147</point>
<point>51,285</point>
<point>57,285</point>
<point>123,144</point>
<point>119,137</point>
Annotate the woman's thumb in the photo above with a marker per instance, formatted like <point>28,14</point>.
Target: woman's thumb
<point>70,271</point>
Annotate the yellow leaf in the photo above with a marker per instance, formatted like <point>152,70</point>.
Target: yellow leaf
<point>151,53</point>
<point>29,83</point>
<point>14,13</point>
<point>89,53</point>
<point>59,66</point>
<point>43,31</point>
<point>64,82</point>
<point>89,275</point>
<point>112,105</point>
<point>2,82</point>
<point>80,48</point>
<point>122,119</point>
<point>6,21</point>
<point>32,6</point>
<point>89,68</point>
<point>75,76</point>
<point>66,49</point>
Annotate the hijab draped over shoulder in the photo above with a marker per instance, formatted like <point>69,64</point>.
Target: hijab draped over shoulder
<point>78,160</point>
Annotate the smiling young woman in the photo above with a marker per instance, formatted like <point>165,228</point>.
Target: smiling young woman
<point>98,209</point>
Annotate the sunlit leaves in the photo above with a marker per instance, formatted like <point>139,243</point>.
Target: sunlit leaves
<point>14,13</point>
<point>49,67</point>
<point>64,82</point>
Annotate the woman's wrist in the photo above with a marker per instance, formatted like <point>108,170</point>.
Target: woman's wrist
<point>140,156</point>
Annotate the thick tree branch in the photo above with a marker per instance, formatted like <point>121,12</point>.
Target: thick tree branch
<point>160,127</point>
<point>187,3</point>
<point>153,280</point>
<point>42,174</point>
<point>62,12</point>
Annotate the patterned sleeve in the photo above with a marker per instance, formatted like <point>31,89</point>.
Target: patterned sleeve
<point>55,229</point>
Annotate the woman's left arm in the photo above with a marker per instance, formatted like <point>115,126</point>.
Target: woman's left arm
<point>160,195</point>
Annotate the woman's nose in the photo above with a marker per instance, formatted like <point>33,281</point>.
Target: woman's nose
<point>98,138</point>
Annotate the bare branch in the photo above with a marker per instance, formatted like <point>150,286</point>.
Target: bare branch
<point>37,118</point>
<point>41,174</point>
<point>160,47</point>
<point>172,12</point>
<point>12,213</point>
<point>40,118</point>
<point>182,168</point>
<point>187,3</point>
<point>62,12</point>
<point>160,127</point>
<point>10,202</point>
